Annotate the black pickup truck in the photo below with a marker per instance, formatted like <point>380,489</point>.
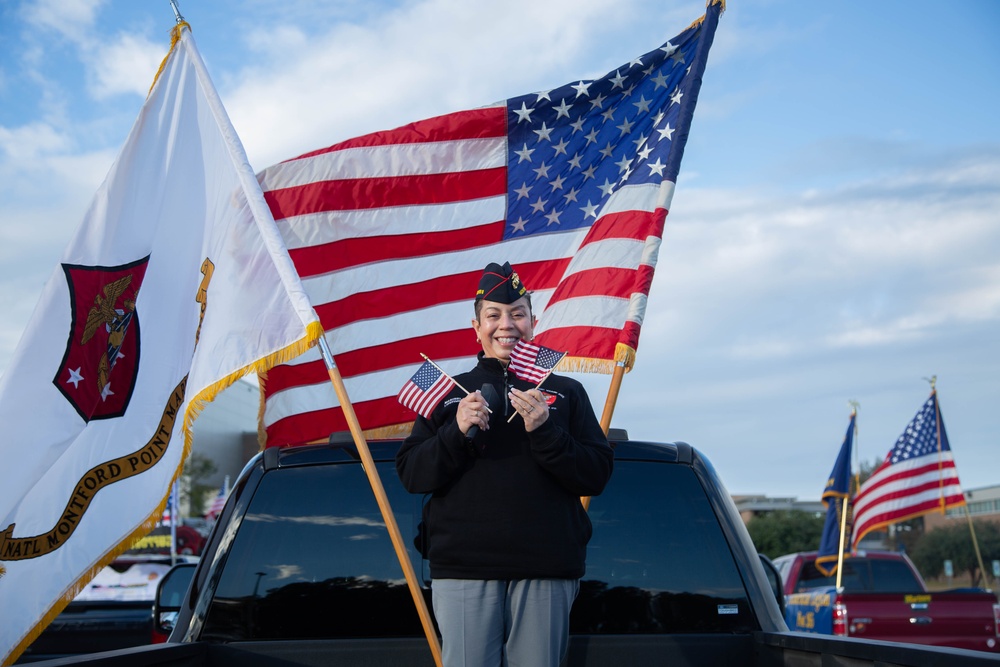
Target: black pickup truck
<point>299,570</point>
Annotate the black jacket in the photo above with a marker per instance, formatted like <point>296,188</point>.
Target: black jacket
<point>507,506</point>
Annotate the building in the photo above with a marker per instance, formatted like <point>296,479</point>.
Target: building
<point>226,431</point>
<point>983,505</point>
<point>751,506</point>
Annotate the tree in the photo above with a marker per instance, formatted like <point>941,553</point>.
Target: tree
<point>192,489</point>
<point>785,531</point>
<point>954,543</point>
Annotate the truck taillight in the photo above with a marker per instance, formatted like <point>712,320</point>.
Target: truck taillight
<point>996,619</point>
<point>839,617</point>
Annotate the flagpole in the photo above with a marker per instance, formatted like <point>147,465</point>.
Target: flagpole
<point>847,501</point>
<point>382,499</point>
<point>968,514</point>
<point>612,399</point>
<point>843,535</point>
<point>177,12</point>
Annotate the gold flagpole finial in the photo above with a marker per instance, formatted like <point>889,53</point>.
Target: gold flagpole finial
<point>933,380</point>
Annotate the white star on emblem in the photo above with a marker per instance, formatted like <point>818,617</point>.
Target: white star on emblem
<point>75,377</point>
<point>106,392</point>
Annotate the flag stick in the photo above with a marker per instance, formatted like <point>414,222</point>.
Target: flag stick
<point>511,418</point>
<point>382,499</point>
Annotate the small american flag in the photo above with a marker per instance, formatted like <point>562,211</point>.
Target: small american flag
<point>425,389</point>
<point>533,363</point>
<point>218,503</point>
<point>918,476</point>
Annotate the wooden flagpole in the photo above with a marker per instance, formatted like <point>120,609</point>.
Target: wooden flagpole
<point>382,499</point>
<point>612,399</point>
<point>609,409</point>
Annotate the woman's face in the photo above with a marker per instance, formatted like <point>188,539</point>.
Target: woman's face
<point>501,325</point>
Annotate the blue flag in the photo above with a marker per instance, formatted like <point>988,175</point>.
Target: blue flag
<point>838,487</point>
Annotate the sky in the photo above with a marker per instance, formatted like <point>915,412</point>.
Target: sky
<point>834,235</point>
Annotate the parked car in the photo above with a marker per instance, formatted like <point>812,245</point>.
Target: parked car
<point>883,596</point>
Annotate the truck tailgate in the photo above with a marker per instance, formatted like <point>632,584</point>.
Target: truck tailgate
<point>961,620</point>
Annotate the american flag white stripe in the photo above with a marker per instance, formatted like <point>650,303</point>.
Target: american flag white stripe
<point>332,226</point>
<point>438,157</point>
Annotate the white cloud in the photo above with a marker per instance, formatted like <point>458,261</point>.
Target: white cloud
<point>126,65</point>
<point>73,19</point>
<point>29,142</point>
<point>414,62</point>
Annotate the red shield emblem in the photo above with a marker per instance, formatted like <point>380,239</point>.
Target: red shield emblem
<point>98,370</point>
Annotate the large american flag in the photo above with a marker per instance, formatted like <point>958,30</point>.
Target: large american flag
<point>391,231</point>
<point>918,476</point>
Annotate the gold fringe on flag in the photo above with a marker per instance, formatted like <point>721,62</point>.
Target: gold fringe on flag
<point>701,19</point>
<point>624,354</point>
<point>175,36</point>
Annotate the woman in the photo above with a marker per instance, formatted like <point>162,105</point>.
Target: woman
<point>504,529</point>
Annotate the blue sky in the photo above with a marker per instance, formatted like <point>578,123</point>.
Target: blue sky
<point>835,232</point>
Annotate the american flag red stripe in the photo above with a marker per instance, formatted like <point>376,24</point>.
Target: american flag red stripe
<point>391,231</point>
<point>918,476</point>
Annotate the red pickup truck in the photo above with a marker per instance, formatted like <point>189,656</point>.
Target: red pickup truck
<point>882,596</point>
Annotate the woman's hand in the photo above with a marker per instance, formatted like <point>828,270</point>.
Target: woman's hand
<point>472,411</point>
<point>532,407</point>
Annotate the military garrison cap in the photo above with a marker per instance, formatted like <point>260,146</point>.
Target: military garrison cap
<point>500,284</point>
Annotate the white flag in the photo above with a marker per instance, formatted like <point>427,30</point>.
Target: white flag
<point>176,284</point>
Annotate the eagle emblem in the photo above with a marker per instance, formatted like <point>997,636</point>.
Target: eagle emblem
<point>98,371</point>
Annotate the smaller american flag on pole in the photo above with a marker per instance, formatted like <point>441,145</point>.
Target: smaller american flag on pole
<point>533,363</point>
<point>218,503</point>
<point>425,389</point>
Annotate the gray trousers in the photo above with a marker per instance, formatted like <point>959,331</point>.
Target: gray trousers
<point>516,623</point>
